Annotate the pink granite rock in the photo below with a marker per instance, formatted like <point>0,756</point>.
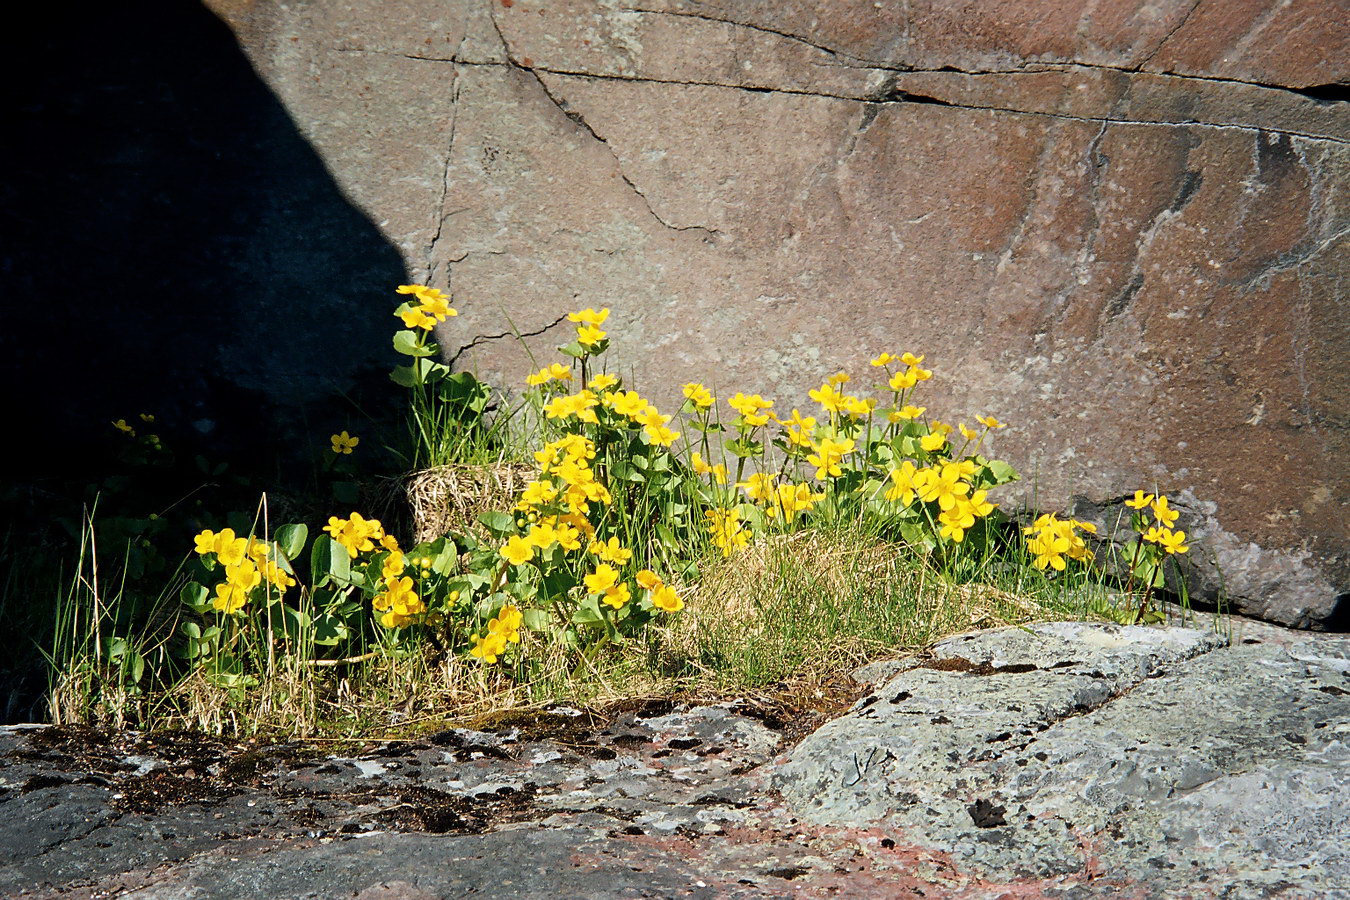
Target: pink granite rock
<point>1119,226</point>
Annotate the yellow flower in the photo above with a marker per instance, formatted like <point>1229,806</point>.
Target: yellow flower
<point>580,523</point>
<point>122,426</point>
<point>799,430</point>
<point>902,484</point>
<point>230,550</point>
<point>757,487</point>
<point>602,579</point>
<point>616,596</point>
<point>542,535</point>
<point>648,580</point>
<point>660,435</point>
<point>277,576</point>
<point>589,336</point>
<point>611,551</point>
<point>602,382</point>
<point>1174,542</point>
<point>700,395</point>
<point>945,487</point>
<point>967,433</point>
<point>830,398</point>
<point>750,407</point>
<point>982,507</point>
<point>536,493</point>
<point>990,422</point>
<point>884,359</point>
<point>389,542</point>
<point>665,598</point>
<point>627,403</point>
<point>589,316</point>
<point>551,372</point>
<point>393,565</point>
<point>229,598</point>
<point>1140,500</point>
<point>828,455</point>
<point>909,411</point>
<point>1165,515</point>
<point>506,624</point>
<point>147,418</point>
<point>354,533</point>
<point>415,318</point>
<point>858,407</point>
<point>838,378</point>
<point>517,551</point>
<point>344,443</point>
<point>568,537</point>
<point>243,575</point>
<point>205,542</point>
<point>488,647</point>
<point>903,381</point>
<point>791,499</point>
<point>718,472</point>
<point>436,305</point>
<point>933,441</point>
<point>725,527</point>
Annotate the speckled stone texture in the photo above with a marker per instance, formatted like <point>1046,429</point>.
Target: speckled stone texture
<point>1119,226</point>
<point>1071,761</point>
<point>1155,754</point>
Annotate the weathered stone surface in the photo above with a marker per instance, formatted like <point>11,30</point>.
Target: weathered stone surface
<point>1118,226</point>
<point>1073,761</point>
<point>1122,749</point>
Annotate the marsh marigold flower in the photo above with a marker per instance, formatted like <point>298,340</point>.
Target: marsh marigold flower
<point>750,407</point>
<point>344,443</point>
<point>517,551</point>
<point>1140,500</point>
<point>699,395</point>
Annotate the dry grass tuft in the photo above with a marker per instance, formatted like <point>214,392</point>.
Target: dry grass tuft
<point>451,498</point>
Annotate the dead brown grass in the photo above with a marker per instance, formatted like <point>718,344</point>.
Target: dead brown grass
<point>451,498</point>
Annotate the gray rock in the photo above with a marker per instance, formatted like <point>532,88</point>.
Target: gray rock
<point>1158,754</point>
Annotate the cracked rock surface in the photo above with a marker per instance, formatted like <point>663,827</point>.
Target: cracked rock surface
<point>1067,761</point>
<point>1119,226</point>
<point>1158,753</point>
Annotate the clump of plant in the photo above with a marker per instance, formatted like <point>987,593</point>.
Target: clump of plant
<point>626,508</point>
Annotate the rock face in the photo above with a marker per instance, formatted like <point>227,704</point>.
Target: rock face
<point>1119,226</point>
<point>1074,761</point>
<point>1141,750</point>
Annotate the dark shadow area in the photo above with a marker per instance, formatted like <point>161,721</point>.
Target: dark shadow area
<point>171,245</point>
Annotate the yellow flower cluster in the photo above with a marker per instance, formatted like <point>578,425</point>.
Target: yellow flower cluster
<point>1055,539</point>
<point>397,601</point>
<point>358,535</point>
<point>959,504</point>
<point>638,411</point>
<point>1161,533</point>
<point>502,631</point>
<point>432,306</point>
<point>588,323</point>
<point>728,533</point>
<point>248,563</point>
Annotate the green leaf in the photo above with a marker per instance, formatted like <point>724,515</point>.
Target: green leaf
<point>1002,472</point>
<point>292,539</point>
<point>574,350</point>
<point>195,597</point>
<point>329,560</point>
<point>498,522</point>
<point>588,612</point>
<point>420,372</point>
<point>410,343</point>
<point>329,629</point>
<point>745,448</point>
<point>134,667</point>
<point>464,391</point>
<point>535,619</point>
